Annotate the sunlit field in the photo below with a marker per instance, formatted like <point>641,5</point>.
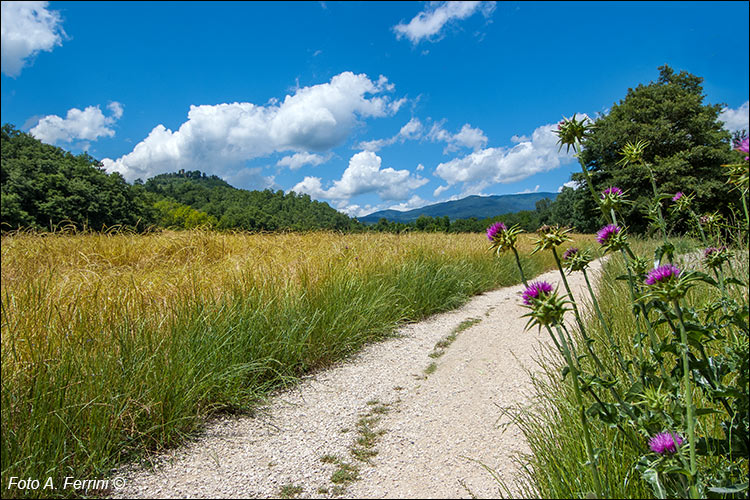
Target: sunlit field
<point>115,344</point>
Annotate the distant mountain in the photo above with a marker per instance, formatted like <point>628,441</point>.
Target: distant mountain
<point>480,207</point>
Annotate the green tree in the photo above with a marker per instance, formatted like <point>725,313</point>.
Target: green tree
<point>44,186</point>
<point>687,146</point>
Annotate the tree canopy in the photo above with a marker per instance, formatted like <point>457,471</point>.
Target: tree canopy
<point>45,186</point>
<point>687,145</point>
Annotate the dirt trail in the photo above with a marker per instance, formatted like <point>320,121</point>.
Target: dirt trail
<point>432,429</point>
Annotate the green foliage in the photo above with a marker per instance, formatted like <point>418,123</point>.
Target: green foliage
<point>175,215</point>
<point>44,186</point>
<point>687,146</point>
<point>234,208</point>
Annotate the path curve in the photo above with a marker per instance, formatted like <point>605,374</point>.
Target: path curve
<point>432,429</point>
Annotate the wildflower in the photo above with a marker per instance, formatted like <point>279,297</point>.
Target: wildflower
<point>742,147</point>
<point>503,238</point>
<point>569,253</point>
<point>536,290</point>
<point>662,274</point>
<point>682,202</point>
<point>668,282</point>
<point>665,442</point>
<point>495,228</point>
<point>550,237</point>
<point>633,153</point>
<point>571,131</point>
<point>715,257</point>
<point>612,197</point>
<point>546,307</point>
<point>611,237</point>
<point>575,260</point>
<point>606,233</point>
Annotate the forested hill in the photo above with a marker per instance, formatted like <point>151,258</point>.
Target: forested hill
<point>45,186</point>
<point>230,207</point>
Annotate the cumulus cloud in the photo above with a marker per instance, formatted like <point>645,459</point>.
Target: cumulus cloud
<point>569,184</point>
<point>736,119</point>
<point>251,178</point>
<point>411,131</point>
<point>315,118</point>
<point>427,24</point>
<point>364,175</point>
<point>27,29</point>
<point>468,137</point>
<point>298,160</point>
<point>489,166</point>
<point>87,125</point>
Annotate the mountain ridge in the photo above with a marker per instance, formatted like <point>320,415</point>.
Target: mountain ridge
<point>481,207</point>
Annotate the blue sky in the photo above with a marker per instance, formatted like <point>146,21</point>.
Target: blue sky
<point>365,105</point>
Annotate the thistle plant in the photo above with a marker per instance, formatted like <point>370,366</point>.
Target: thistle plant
<point>664,398</point>
<point>503,239</point>
<point>547,310</point>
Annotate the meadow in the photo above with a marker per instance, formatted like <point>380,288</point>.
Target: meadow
<point>115,345</point>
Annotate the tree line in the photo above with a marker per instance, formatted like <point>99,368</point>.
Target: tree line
<point>44,186</point>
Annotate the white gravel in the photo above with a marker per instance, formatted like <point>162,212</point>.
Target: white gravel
<point>437,430</point>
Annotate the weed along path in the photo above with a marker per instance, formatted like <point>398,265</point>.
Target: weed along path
<point>413,416</point>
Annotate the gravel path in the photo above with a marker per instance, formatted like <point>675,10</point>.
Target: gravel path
<point>429,431</point>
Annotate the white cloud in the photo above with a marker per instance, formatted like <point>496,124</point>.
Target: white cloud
<point>315,118</point>
<point>251,178</point>
<point>570,184</point>
<point>472,138</point>
<point>440,190</point>
<point>529,191</point>
<point>354,210</point>
<point>27,28</point>
<point>411,131</point>
<point>88,125</point>
<point>427,24</point>
<point>362,176</point>
<point>298,160</point>
<point>468,137</point>
<point>116,109</point>
<point>736,119</point>
<point>519,138</point>
<point>489,166</point>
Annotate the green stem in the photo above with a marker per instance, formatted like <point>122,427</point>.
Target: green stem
<point>700,227</point>
<point>575,312</point>
<point>520,268</point>
<point>577,147</point>
<point>582,413</point>
<point>688,395</point>
<point>607,331</point>
<point>662,224</point>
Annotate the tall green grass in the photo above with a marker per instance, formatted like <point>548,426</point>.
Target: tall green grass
<point>555,467</point>
<point>114,345</point>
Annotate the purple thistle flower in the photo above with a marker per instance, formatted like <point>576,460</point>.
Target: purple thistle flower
<point>534,290</point>
<point>677,196</point>
<point>606,233</point>
<point>569,253</point>
<point>662,273</point>
<point>708,251</point>
<point>665,442</point>
<point>494,229</point>
<point>614,190</point>
<point>743,147</point>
